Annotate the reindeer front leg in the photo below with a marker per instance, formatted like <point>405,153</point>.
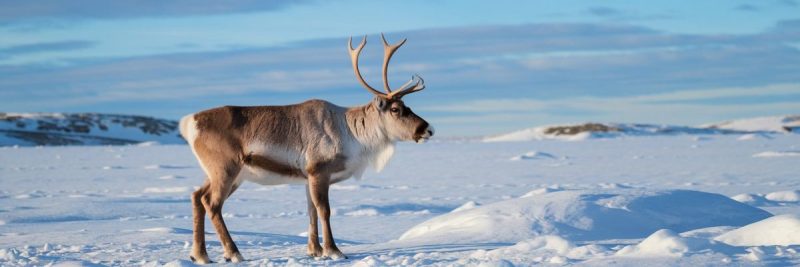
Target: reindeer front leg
<point>314,249</point>
<point>318,190</point>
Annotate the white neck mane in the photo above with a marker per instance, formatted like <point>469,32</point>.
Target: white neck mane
<point>366,128</point>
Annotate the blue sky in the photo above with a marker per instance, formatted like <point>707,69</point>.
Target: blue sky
<point>489,66</point>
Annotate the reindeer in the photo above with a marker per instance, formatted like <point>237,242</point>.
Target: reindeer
<point>314,143</point>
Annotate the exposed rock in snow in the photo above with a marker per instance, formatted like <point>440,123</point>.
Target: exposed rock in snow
<point>781,230</point>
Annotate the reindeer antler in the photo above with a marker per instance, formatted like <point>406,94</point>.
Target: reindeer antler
<point>388,51</point>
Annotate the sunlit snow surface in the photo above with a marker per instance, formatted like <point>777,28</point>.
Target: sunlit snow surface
<point>129,205</point>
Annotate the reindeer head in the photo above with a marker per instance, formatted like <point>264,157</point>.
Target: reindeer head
<point>399,122</point>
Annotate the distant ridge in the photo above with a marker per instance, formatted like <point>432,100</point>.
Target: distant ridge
<point>589,130</point>
<point>59,129</point>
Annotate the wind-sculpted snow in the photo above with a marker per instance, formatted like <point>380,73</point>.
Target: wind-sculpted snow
<point>585,215</point>
<point>27,129</point>
<point>782,230</point>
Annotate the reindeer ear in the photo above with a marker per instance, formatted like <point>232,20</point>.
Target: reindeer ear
<point>381,103</point>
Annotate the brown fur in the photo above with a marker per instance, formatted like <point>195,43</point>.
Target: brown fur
<point>268,164</point>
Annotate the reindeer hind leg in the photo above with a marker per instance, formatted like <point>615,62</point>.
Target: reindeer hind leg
<point>219,191</point>
<point>199,254</point>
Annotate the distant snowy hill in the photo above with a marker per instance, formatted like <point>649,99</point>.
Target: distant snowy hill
<point>33,129</point>
<point>762,125</point>
<point>779,124</point>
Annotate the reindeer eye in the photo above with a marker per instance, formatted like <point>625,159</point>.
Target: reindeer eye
<point>395,110</point>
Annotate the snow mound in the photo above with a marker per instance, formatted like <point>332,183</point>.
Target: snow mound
<point>751,199</point>
<point>534,155</point>
<point>664,243</point>
<point>784,196</point>
<point>779,124</point>
<point>548,248</point>
<point>780,230</point>
<point>584,215</point>
<point>775,154</point>
<point>543,190</point>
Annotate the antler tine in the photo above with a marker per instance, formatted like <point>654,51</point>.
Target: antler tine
<point>388,51</point>
<point>409,89</point>
<point>354,53</point>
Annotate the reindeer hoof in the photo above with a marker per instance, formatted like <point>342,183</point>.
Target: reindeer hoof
<point>236,258</point>
<point>314,253</point>
<point>334,255</point>
<point>200,260</point>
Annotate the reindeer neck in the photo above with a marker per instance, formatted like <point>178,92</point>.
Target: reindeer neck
<point>365,124</point>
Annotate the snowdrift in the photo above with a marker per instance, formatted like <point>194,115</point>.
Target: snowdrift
<point>781,230</point>
<point>581,215</point>
<point>750,128</point>
<point>32,129</point>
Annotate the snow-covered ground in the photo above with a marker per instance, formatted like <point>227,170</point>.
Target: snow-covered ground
<point>627,200</point>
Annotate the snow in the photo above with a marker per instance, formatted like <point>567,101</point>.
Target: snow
<point>784,196</point>
<point>665,200</point>
<point>777,154</point>
<point>663,242</point>
<point>467,206</point>
<point>761,124</point>
<point>585,215</point>
<point>534,155</point>
<point>781,230</point>
<point>753,136</point>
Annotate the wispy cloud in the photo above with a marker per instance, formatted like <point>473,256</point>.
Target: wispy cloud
<point>791,3</point>
<point>15,10</point>
<point>603,11</point>
<point>747,7</point>
<point>45,47</point>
